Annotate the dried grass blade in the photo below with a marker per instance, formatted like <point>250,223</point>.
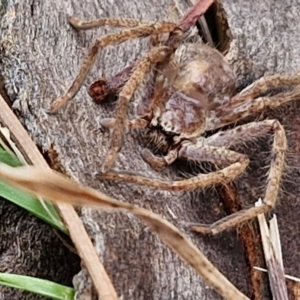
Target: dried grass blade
<point>272,251</point>
<point>77,231</point>
<point>11,155</point>
<point>54,186</point>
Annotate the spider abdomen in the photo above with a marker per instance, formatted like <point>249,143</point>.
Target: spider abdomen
<point>196,80</point>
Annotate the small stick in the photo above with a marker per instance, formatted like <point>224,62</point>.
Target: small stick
<point>193,14</point>
<point>77,231</point>
<point>271,246</point>
<point>290,277</point>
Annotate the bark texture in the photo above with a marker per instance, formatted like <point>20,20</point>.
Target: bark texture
<point>268,34</point>
<point>40,56</point>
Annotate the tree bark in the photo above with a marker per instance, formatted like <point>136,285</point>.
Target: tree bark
<point>41,55</point>
<point>267,34</point>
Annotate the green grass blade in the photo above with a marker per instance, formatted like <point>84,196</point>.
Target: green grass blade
<point>32,204</point>
<point>27,201</point>
<point>38,286</point>
<point>9,159</point>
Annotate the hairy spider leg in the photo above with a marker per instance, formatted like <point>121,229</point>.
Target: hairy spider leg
<point>115,38</point>
<point>109,123</point>
<point>263,84</point>
<point>199,152</point>
<point>113,22</point>
<point>154,56</point>
<point>238,135</point>
<point>222,156</point>
<point>246,102</point>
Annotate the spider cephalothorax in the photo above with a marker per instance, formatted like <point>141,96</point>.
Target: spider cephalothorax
<point>193,93</point>
<point>194,81</point>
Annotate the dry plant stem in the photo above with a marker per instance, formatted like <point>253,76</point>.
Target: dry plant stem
<point>191,17</point>
<point>116,38</point>
<point>53,185</point>
<point>289,277</point>
<point>154,56</point>
<point>5,133</point>
<point>76,229</point>
<point>273,261</point>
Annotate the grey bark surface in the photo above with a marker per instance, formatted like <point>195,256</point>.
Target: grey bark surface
<point>41,54</point>
<point>269,33</point>
<point>30,247</point>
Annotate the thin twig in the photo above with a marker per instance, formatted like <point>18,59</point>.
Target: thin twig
<point>290,277</point>
<point>53,186</point>
<point>7,139</point>
<point>76,229</point>
<point>194,13</point>
<point>204,27</point>
<point>272,251</point>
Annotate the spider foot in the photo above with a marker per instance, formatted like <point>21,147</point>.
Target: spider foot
<point>232,220</point>
<point>109,160</point>
<point>73,21</point>
<point>157,162</point>
<point>58,103</point>
<point>200,228</point>
<point>205,229</point>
